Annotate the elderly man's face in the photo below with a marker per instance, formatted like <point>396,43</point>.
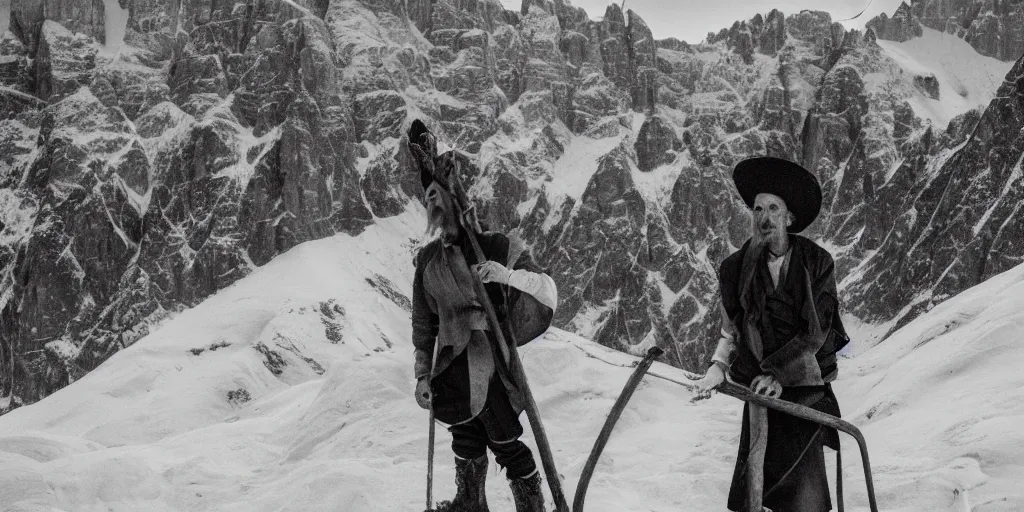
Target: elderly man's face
<point>440,210</point>
<point>771,218</point>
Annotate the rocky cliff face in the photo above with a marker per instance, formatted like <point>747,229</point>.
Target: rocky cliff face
<point>902,26</point>
<point>961,222</point>
<point>995,28</point>
<point>135,185</point>
<point>27,18</point>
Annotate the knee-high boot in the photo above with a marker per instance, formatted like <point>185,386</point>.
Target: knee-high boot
<point>470,496</point>
<point>527,493</point>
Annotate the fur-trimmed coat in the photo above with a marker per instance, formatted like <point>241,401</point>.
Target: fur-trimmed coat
<point>806,359</point>
<point>789,329</point>
<point>446,311</point>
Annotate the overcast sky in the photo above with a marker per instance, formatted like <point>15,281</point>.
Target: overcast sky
<point>691,20</point>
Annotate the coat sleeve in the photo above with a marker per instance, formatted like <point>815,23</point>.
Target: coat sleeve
<point>817,314</point>
<point>725,352</point>
<point>532,294</point>
<point>726,349</point>
<point>528,277</point>
<point>424,324</point>
<point>525,276</point>
<point>826,294</point>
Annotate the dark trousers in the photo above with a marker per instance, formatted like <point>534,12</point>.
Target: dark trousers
<point>496,427</point>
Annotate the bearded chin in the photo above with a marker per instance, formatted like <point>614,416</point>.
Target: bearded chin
<point>440,222</point>
<point>758,239</point>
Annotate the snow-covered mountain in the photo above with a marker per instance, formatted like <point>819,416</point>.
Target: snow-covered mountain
<point>137,180</point>
<point>953,78</point>
<point>994,28</point>
<point>291,389</point>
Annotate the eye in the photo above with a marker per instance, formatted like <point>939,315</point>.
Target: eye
<point>773,207</point>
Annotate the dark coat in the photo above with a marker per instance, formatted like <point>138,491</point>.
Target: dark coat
<point>792,332</point>
<point>809,357</point>
<point>446,311</point>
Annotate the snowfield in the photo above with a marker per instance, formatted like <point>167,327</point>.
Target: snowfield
<point>967,80</point>
<point>292,390</point>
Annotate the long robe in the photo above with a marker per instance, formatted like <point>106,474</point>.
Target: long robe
<point>790,331</point>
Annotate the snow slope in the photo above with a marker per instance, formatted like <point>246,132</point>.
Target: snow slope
<point>967,80</point>
<point>164,425</point>
<point>115,24</point>
<point>5,15</point>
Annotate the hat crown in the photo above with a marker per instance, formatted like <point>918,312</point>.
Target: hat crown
<point>797,187</point>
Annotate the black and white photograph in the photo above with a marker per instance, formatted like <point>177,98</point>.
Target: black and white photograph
<point>511,256</point>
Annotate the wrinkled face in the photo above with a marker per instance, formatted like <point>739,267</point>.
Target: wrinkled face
<point>771,218</point>
<point>440,212</point>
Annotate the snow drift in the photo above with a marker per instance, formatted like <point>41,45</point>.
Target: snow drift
<point>292,390</point>
<point>966,80</point>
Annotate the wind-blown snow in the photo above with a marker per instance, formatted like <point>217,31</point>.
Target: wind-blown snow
<point>5,15</point>
<point>17,215</point>
<point>1011,181</point>
<point>572,172</point>
<point>193,417</point>
<point>942,400</point>
<point>115,24</point>
<point>967,79</point>
<point>656,185</point>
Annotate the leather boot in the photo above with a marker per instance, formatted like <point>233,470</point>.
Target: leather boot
<point>470,496</point>
<point>527,493</point>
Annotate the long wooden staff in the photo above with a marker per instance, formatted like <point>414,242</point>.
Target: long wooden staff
<point>430,441</point>
<point>609,425</point>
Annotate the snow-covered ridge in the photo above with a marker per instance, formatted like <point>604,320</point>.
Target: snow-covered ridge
<point>292,390</point>
<point>966,79</point>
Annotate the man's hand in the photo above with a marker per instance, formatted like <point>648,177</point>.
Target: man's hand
<point>711,380</point>
<point>492,272</point>
<point>423,392</point>
<point>766,385</point>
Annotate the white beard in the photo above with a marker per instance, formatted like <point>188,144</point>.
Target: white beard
<point>441,223</point>
<point>758,239</point>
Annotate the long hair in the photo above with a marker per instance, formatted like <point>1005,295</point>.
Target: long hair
<point>441,219</point>
<point>757,238</point>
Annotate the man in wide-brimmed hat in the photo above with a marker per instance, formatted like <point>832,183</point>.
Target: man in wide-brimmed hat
<point>459,369</point>
<point>780,333</point>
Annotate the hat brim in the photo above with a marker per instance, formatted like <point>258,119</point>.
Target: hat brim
<point>794,184</point>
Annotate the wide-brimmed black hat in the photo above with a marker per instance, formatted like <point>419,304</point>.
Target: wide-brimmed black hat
<point>794,184</point>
